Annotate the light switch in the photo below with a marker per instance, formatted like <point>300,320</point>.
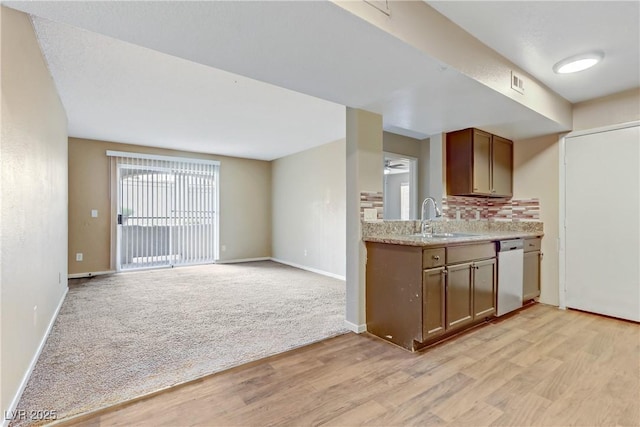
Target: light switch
<point>370,214</point>
<point>94,213</point>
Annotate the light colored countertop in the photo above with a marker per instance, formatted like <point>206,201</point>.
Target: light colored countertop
<point>488,236</point>
<point>400,232</point>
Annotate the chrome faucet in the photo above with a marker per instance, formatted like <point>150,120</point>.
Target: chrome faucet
<point>425,225</point>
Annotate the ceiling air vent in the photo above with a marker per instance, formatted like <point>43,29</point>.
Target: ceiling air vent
<point>517,83</point>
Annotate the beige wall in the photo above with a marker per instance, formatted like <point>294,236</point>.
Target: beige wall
<point>421,26</point>
<point>33,197</point>
<point>309,201</point>
<point>245,204</point>
<point>537,169</point>
<point>364,173</point>
<point>536,174</point>
<point>437,167</point>
<point>617,108</point>
<point>399,144</point>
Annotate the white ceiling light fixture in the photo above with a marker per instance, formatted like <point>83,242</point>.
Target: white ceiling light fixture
<point>577,63</point>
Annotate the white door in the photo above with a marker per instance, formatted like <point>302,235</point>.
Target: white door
<point>602,202</point>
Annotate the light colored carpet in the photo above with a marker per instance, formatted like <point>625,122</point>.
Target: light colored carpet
<point>125,335</point>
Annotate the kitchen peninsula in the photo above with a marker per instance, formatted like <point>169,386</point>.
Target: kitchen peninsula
<point>420,290</point>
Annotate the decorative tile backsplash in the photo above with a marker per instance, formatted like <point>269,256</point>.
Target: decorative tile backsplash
<point>526,209</point>
<point>468,208</point>
<point>369,200</point>
<point>474,208</point>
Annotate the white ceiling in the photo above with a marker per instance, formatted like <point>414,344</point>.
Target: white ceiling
<point>118,91</point>
<point>537,34</point>
<point>149,73</point>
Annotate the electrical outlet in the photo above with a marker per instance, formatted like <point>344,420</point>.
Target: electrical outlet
<point>79,256</point>
<point>223,248</point>
<point>94,213</point>
<point>370,214</point>
<point>305,252</point>
<point>35,315</point>
<point>517,83</point>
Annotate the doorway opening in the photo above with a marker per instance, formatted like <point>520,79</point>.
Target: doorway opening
<point>400,186</point>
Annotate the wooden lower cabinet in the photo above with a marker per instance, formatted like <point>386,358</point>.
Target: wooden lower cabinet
<point>531,276</point>
<point>484,288</point>
<point>531,268</point>
<point>459,295</point>
<point>394,301</point>
<point>413,298</point>
<point>433,302</point>
<point>471,292</point>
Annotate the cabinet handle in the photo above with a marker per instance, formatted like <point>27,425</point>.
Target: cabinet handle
<point>475,188</point>
<point>436,257</point>
<point>541,255</point>
<point>444,272</point>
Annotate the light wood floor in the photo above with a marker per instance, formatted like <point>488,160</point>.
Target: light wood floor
<point>542,366</point>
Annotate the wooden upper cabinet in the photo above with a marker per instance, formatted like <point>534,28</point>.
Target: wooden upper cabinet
<point>479,164</point>
<point>502,163</point>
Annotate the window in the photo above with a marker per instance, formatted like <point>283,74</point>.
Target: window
<point>167,211</point>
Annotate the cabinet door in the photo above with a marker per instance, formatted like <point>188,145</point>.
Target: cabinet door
<point>481,162</point>
<point>531,283</point>
<point>484,288</point>
<point>459,295</point>
<point>433,300</point>
<point>502,167</point>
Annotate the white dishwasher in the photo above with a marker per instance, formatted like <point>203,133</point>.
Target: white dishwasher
<point>510,275</point>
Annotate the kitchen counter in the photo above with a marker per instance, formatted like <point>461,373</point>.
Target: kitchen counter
<point>487,236</point>
<point>401,232</point>
<point>422,290</point>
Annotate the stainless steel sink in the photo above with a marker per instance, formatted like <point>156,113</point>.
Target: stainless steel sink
<point>443,235</point>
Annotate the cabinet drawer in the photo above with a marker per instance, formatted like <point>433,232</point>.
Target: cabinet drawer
<point>534,244</point>
<point>433,258</point>
<point>458,254</point>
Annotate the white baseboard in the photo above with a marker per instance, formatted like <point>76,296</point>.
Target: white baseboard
<point>311,269</point>
<point>235,261</point>
<point>32,365</point>
<point>90,274</point>
<point>358,329</point>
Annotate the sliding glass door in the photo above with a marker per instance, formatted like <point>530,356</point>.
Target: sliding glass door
<point>167,211</point>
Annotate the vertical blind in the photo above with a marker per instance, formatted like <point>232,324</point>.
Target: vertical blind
<point>167,210</point>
